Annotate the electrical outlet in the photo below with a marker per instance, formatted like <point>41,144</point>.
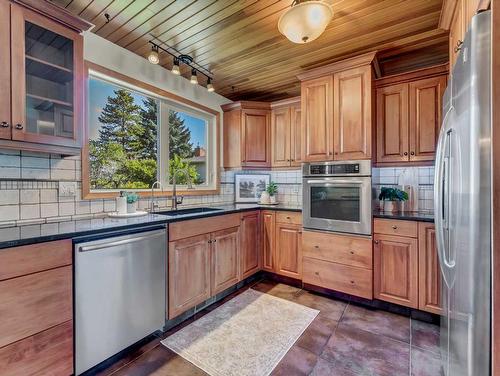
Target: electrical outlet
<point>67,189</point>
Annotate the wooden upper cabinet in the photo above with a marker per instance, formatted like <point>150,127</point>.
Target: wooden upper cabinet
<point>281,137</point>
<point>5,118</point>
<point>250,244</point>
<point>296,136</point>
<point>225,259</point>
<point>409,111</point>
<point>430,279</point>
<point>352,109</point>
<point>457,31</point>
<point>247,135</point>
<point>268,241</point>
<point>392,123</point>
<point>396,269</point>
<point>289,250</point>
<point>189,273</point>
<point>425,117</point>
<point>317,118</point>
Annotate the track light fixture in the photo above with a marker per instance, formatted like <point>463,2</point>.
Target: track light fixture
<point>179,58</point>
<point>194,77</point>
<point>175,68</point>
<point>154,57</point>
<point>210,87</point>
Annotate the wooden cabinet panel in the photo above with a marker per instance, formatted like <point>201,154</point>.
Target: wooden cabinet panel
<point>27,259</point>
<point>48,82</point>
<point>256,138</point>
<point>317,118</point>
<point>396,269</point>
<point>343,278</point>
<point>250,258</point>
<point>189,273</point>
<point>201,226</point>
<point>225,258</point>
<point>429,272</point>
<point>296,136</point>
<point>49,352</point>
<point>5,116</point>
<point>457,31</point>
<point>35,302</point>
<point>343,249</point>
<point>425,117</point>
<point>289,217</point>
<point>352,114</point>
<point>232,138</point>
<point>281,137</point>
<point>392,123</point>
<point>268,241</point>
<point>395,227</point>
<point>289,250</point>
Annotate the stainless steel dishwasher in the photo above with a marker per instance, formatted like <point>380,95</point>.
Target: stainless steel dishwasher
<point>120,293</point>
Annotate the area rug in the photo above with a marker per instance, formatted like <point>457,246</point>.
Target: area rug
<point>247,336</point>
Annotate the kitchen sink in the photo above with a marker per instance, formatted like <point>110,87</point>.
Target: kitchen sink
<point>187,211</point>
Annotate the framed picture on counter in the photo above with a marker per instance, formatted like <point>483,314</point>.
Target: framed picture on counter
<point>249,187</point>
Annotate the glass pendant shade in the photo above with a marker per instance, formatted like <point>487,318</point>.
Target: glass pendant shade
<point>194,77</point>
<point>154,57</point>
<point>175,68</point>
<point>305,21</point>
<point>210,87</point>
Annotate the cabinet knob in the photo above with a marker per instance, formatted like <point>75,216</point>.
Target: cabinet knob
<point>292,160</point>
<point>317,273</point>
<point>287,217</point>
<point>405,153</point>
<point>316,246</point>
<point>351,252</point>
<point>336,153</point>
<point>458,47</point>
<point>394,227</point>
<point>4,124</point>
<point>19,126</point>
<point>209,241</point>
<point>376,241</point>
<point>352,282</point>
<point>412,153</point>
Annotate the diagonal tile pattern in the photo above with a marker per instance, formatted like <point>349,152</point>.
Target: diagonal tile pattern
<point>343,340</point>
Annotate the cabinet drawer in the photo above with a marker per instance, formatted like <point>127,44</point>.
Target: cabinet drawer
<point>343,249</point>
<point>34,303</point>
<point>47,353</point>
<point>395,227</point>
<point>289,217</point>
<point>338,277</point>
<point>27,259</point>
<point>194,227</point>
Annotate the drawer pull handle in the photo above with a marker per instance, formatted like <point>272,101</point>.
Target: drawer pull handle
<point>394,227</point>
<point>4,124</point>
<point>19,126</point>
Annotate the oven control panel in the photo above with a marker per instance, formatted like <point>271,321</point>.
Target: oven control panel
<point>359,168</point>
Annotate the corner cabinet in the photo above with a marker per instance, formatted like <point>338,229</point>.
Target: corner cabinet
<point>409,116</point>
<point>247,135</point>
<point>337,110</point>
<point>42,110</point>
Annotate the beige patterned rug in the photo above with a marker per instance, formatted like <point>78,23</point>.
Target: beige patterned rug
<point>247,336</point>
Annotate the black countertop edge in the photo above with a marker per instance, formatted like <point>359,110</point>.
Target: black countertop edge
<point>107,224</point>
<point>406,216</point>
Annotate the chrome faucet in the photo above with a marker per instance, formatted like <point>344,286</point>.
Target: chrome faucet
<point>154,205</point>
<point>178,200</point>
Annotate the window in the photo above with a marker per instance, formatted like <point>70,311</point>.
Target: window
<point>137,137</point>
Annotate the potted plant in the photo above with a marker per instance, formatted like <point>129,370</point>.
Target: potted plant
<point>272,190</point>
<point>132,202</point>
<point>391,198</point>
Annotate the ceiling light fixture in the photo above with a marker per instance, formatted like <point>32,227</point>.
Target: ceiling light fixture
<point>305,21</point>
<point>194,77</point>
<point>175,68</point>
<point>210,87</point>
<point>154,57</point>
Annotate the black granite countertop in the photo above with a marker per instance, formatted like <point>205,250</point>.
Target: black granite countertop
<point>13,236</point>
<point>422,216</point>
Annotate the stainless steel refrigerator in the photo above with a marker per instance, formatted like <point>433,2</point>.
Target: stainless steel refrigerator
<point>462,201</point>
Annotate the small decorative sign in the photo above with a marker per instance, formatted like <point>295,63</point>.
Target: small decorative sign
<point>249,187</point>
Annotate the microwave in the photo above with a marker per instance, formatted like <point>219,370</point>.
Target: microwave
<point>337,196</point>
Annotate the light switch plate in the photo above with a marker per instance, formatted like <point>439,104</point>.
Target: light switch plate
<point>67,189</point>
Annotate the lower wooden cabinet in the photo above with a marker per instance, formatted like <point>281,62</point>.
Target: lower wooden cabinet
<point>189,273</point>
<point>268,220</point>
<point>225,259</point>
<point>289,250</point>
<point>396,269</point>
<point>250,244</point>
<point>429,273</point>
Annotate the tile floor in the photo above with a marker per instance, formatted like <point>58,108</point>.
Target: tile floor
<point>343,340</point>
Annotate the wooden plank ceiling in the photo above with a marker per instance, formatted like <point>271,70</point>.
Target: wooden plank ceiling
<point>238,40</point>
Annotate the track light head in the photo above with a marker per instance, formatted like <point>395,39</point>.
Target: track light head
<point>194,77</point>
<point>210,87</point>
<point>154,57</point>
<point>175,68</point>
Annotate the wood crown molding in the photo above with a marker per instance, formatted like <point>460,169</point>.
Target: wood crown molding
<point>295,101</point>
<point>246,105</point>
<point>446,15</point>
<point>56,13</point>
<point>353,62</point>
<point>436,70</point>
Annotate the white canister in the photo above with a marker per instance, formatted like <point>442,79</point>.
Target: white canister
<point>265,198</point>
<point>131,207</point>
<point>121,205</point>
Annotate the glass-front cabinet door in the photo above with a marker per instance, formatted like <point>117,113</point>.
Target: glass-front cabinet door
<point>47,80</point>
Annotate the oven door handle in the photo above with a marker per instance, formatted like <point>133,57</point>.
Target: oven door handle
<point>334,181</point>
